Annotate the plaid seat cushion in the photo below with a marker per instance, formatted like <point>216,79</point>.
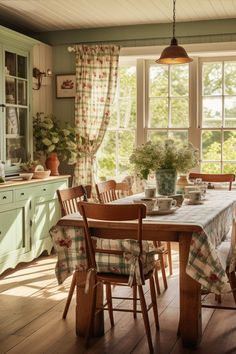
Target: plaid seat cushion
<point>125,264</point>
<point>70,246</point>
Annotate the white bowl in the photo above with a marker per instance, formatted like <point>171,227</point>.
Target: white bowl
<point>26,176</point>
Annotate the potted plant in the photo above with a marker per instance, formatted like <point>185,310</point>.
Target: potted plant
<point>54,141</point>
<point>165,159</point>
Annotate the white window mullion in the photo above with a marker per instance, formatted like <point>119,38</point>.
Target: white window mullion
<point>142,113</point>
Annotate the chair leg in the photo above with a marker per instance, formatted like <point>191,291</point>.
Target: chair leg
<point>157,280</point>
<point>163,270</point>
<point>154,302</point>
<point>145,318</point>
<point>69,297</point>
<point>168,244</point>
<point>135,301</point>
<point>109,303</point>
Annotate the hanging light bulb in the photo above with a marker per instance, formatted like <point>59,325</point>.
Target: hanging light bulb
<point>174,53</point>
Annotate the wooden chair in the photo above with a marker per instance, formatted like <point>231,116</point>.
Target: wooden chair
<point>112,212</point>
<point>106,191</point>
<point>225,177</point>
<point>68,199</point>
<point>109,191</point>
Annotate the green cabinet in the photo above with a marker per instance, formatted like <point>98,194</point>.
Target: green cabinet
<point>27,212</point>
<point>15,98</point>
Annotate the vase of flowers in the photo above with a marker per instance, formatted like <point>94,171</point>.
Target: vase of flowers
<point>55,142</point>
<point>165,159</point>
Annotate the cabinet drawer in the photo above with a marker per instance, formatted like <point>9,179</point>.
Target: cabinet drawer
<point>23,194</point>
<point>6,197</point>
<point>48,189</point>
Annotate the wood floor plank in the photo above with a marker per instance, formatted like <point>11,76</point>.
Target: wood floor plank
<point>31,306</point>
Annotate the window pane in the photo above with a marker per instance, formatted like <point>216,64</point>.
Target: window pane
<point>155,136</point>
<point>229,146</point>
<point>211,145</point>
<point>230,112</point>
<point>113,119</point>
<point>230,78</point>
<point>158,81</point>
<point>212,79</point>
<point>229,168</point>
<point>127,108</point>
<point>179,80</point>
<point>212,112</point>
<point>126,143</point>
<point>210,167</point>
<point>127,81</point>
<point>106,156</point>
<point>158,113</point>
<point>180,137</point>
<point>179,113</point>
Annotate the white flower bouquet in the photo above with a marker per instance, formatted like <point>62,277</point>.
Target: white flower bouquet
<point>150,157</point>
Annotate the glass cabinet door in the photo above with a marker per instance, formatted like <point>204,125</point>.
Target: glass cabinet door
<point>17,107</point>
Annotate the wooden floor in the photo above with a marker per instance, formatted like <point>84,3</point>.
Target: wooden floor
<point>31,306</point>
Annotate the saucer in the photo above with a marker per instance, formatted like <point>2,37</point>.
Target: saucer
<point>162,212</point>
<point>195,203</point>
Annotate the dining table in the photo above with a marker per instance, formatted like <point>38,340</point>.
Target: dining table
<point>198,228</point>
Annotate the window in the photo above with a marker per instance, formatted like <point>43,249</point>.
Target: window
<point>218,116</point>
<point>119,140</point>
<point>191,102</point>
<point>168,102</point>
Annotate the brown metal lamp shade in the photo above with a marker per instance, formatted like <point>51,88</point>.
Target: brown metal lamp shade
<point>174,54</point>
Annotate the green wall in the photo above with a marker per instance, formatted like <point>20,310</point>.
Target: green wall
<point>136,35</point>
<point>63,63</point>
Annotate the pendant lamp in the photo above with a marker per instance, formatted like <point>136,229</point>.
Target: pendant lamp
<point>174,53</point>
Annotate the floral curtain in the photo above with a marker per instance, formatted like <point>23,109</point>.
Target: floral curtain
<point>96,80</point>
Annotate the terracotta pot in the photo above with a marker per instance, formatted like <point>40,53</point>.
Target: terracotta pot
<point>52,162</point>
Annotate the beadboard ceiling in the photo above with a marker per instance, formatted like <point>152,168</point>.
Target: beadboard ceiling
<point>52,15</point>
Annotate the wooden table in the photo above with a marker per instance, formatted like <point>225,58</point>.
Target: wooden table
<point>154,230</point>
<point>190,301</point>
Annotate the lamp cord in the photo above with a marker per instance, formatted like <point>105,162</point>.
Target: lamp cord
<point>174,1</point>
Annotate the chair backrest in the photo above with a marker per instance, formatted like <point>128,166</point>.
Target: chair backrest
<point>122,190</point>
<point>112,190</point>
<point>109,212</point>
<point>106,191</point>
<point>69,198</point>
<point>207,177</point>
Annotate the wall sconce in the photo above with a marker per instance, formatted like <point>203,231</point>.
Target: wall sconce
<point>37,74</point>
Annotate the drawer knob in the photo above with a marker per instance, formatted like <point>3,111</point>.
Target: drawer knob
<point>44,189</point>
<point>22,193</point>
<point>4,197</point>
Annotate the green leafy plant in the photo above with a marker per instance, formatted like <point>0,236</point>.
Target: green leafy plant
<point>29,166</point>
<point>150,157</point>
<point>50,137</point>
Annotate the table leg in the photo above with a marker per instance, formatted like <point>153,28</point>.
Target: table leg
<point>83,303</point>
<point>190,299</point>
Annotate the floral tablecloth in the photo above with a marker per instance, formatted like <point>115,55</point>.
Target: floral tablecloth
<point>215,216</point>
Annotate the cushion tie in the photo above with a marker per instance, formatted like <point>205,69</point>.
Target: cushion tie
<point>134,269</point>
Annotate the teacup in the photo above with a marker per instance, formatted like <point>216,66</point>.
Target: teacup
<point>150,192</point>
<point>165,204</point>
<point>203,189</point>
<point>189,189</point>
<point>179,199</point>
<point>195,196</point>
<point>149,202</point>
